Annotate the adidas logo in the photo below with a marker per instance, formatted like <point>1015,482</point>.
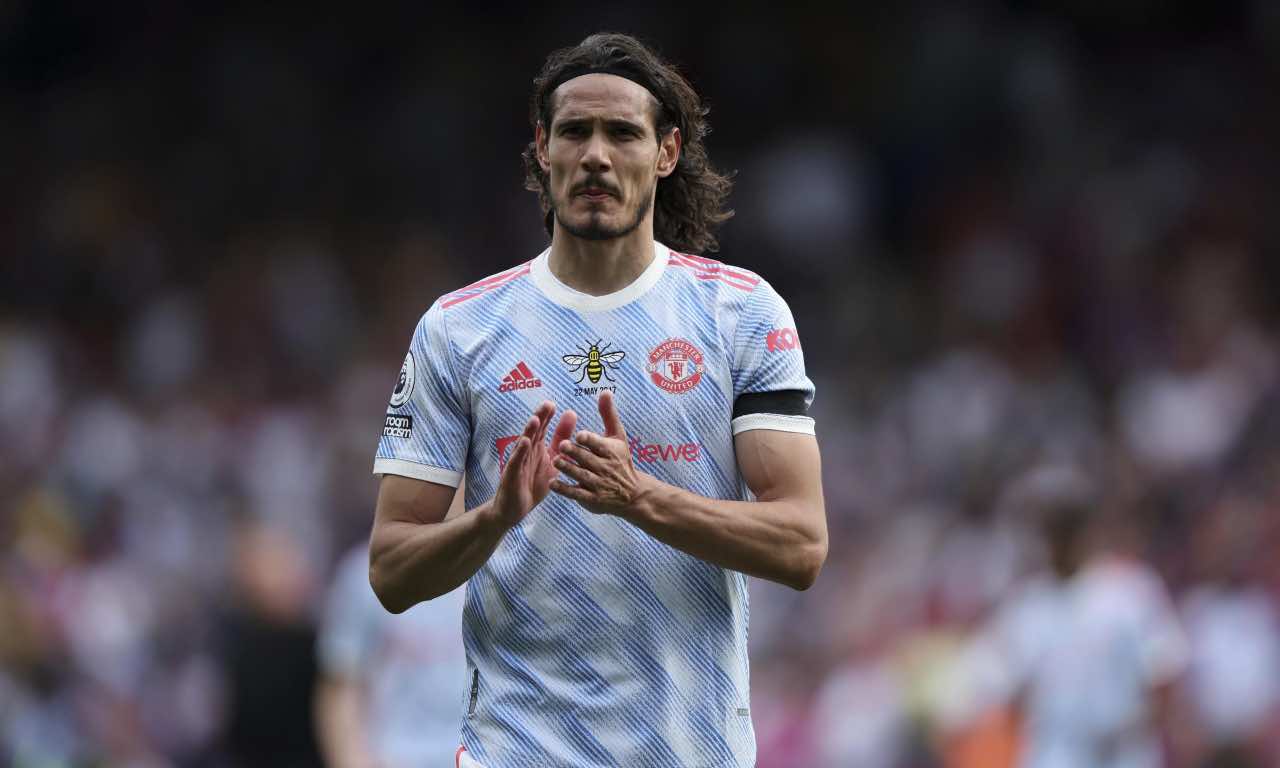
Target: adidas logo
<point>519,378</point>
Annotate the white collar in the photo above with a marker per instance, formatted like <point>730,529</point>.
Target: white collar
<point>565,296</point>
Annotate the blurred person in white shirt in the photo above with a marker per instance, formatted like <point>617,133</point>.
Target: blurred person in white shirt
<point>1234,678</point>
<point>392,688</point>
<point>1087,652</point>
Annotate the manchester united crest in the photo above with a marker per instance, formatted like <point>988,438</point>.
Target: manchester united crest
<point>676,366</point>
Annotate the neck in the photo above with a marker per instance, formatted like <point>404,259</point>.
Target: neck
<point>599,267</point>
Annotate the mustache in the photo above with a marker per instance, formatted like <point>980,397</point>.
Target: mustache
<point>596,182</point>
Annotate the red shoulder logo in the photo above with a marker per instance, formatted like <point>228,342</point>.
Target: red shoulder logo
<point>782,339</point>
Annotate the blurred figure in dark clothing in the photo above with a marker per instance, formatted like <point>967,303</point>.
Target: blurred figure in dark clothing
<point>270,654</point>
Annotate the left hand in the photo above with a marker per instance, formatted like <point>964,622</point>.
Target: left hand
<point>607,481</point>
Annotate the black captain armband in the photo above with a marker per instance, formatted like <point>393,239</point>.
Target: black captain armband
<point>783,402</point>
<point>782,410</point>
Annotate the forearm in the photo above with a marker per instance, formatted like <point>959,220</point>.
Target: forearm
<point>339,725</point>
<point>410,562</point>
<point>423,545</point>
<point>776,540</point>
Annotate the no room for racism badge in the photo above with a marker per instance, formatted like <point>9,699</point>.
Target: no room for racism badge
<point>676,366</point>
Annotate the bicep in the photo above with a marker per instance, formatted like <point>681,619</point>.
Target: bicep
<point>780,466</point>
<point>408,500</point>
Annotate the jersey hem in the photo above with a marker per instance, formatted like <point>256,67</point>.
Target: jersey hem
<point>417,471</point>
<point>777,422</point>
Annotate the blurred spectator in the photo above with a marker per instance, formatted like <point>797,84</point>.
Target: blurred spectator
<point>393,688</point>
<point>269,647</point>
<point>1234,677</point>
<point>1088,652</point>
<point>1190,409</point>
<point>860,717</point>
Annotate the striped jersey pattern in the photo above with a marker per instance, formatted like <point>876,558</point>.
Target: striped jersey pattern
<point>588,642</point>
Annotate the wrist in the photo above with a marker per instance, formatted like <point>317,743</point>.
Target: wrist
<point>644,504</point>
<point>490,519</point>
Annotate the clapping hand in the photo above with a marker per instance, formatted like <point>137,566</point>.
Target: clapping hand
<point>528,474</point>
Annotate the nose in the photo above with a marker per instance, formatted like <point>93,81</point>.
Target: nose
<point>595,153</point>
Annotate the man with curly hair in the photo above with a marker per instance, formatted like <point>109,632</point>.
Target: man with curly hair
<point>606,609</point>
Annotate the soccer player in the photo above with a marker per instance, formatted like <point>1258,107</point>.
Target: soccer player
<point>606,603</point>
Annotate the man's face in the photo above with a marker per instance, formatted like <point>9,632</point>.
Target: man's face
<point>602,157</point>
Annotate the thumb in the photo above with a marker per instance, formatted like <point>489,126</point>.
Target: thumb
<point>609,413</point>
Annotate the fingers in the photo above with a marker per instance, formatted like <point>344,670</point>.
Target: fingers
<point>568,422</point>
<point>543,414</point>
<point>578,472</point>
<point>577,493</point>
<point>529,434</point>
<point>609,413</point>
<point>531,428</point>
<point>597,444</point>
<point>581,455</point>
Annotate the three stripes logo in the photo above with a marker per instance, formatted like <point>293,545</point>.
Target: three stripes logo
<point>519,378</point>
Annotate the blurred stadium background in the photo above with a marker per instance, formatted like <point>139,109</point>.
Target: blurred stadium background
<point>1016,236</point>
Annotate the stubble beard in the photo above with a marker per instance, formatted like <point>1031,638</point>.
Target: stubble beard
<point>595,229</point>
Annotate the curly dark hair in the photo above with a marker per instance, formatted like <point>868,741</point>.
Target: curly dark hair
<point>689,203</point>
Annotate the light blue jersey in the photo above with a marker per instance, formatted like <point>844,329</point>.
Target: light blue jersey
<point>590,643</point>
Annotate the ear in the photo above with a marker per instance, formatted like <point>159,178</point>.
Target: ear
<point>669,152</point>
<point>540,146</point>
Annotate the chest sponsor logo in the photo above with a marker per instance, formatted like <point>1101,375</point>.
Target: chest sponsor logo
<point>782,339</point>
<point>593,363</point>
<point>676,366</point>
<point>521,377</point>
<point>397,425</point>
<point>404,384</point>
<point>652,453</point>
<point>641,451</point>
<point>504,446</point>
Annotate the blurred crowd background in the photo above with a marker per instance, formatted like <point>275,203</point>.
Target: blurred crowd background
<point>1022,241</point>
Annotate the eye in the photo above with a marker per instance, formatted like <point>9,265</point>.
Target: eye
<point>573,130</point>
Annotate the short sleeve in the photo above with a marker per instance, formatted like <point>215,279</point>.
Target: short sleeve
<point>348,628</point>
<point>428,426</point>
<point>770,387</point>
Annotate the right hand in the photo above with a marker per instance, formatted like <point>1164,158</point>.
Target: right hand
<point>526,480</point>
